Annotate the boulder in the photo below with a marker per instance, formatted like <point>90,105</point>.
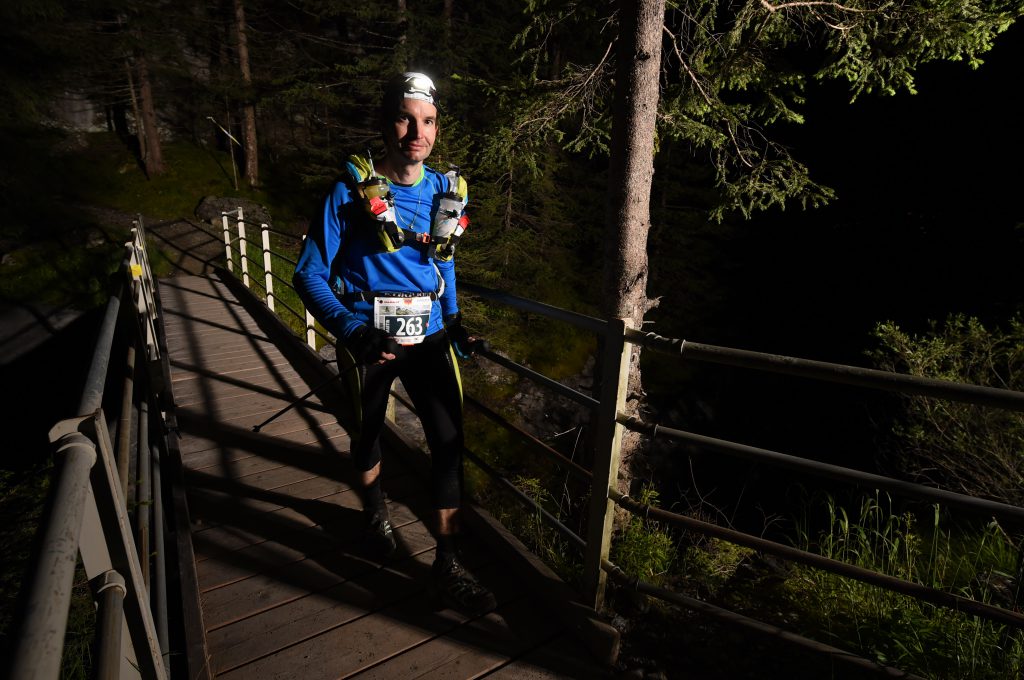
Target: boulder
<point>211,208</point>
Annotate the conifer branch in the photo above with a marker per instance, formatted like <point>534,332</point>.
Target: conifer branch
<point>810,3</point>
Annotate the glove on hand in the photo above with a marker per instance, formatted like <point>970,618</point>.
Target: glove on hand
<point>367,344</point>
<point>458,336</point>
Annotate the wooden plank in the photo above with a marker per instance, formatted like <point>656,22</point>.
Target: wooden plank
<point>307,616</point>
<point>312,456</point>
<point>277,525</point>
<point>216,328</point>
<point>267,601</point>
<point>201,436</point>
<point>480,646</point>
<point>369,640</point>
<point>223,505</point>
<point>254,410</point>
<point>184,373</point>
<point>227,362</point>
<point>257,525</point>
<point>199,389</point>
<point>557,659</point>
<point>210,358</point>
<point>336,526</point>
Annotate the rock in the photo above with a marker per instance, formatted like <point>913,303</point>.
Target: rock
<point>211,208</point>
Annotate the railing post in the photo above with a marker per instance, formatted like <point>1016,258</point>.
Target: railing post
<point>124,428</point>
<point>243,248</point>
<point>227,241</point>
<point>158,591</point>
<point>614,377</point>
<point>37,650</point>
<point>268,280</point>
<point>109,625</point>
<point>143,494</point>
<point>310,324</point>
<point>107,544</point>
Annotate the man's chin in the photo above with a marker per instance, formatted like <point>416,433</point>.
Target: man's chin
<point>416,156</point>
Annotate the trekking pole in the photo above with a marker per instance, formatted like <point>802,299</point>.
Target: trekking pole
<point>307,395</point>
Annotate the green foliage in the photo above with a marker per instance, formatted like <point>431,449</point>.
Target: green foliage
<point>973,449</point>
<point>732,72</point>
<point>47,273</point>
<point>895,629</point>
<point>641,547</point>
<point>106,173</point>
<point>530,527</point>
<point>711,564</point>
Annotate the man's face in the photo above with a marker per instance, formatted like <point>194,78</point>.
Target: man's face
<point>411,131</point>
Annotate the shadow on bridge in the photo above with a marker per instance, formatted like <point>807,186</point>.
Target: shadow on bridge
<point>285,587</point>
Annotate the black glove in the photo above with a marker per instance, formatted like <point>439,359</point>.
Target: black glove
<point>366,344</point>
<point>458,336</point>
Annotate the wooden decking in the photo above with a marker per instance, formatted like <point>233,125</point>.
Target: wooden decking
<point>286,590</point>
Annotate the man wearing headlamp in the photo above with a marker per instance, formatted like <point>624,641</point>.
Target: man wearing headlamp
<point>377,271</point>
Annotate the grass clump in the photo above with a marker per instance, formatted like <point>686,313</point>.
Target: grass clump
<point>529,525</point>
<point>973,562</point>
<point>642,547</point>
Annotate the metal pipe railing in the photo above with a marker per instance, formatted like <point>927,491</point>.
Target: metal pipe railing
<point>915,590</point>
<point>37,650</point>
<point>109,618</point>
<point>92,393</point>
<point>732,618</point>
<point>829,372</point>
<point>575,468</point>
<point>615,368</point>
<point>524,498</point>
<point>124,429</point>
<point>87,513</point>
<point>509,486</point>
<point>158,591</point>
<point>583,321</point>
<point>865,479</point>
<point>540,379</point>
<point>144,492</point>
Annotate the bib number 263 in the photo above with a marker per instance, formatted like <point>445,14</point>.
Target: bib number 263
<point>409,326</point>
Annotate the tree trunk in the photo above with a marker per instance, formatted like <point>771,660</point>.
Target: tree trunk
<point>631,171</point>
<point>402,47</point>
<point>140,131</point>
<point>154,156</point>
<point>252,173</point>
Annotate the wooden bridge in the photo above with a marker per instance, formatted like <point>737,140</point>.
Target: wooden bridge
<point>272,577</point>
<point>285,589</point>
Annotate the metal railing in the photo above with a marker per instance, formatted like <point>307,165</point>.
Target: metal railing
<point>609,422</point>
<point>106,503</point>
<point>241,243</point>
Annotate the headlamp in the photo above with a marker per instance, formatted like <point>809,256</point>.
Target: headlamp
<point>418,86</point>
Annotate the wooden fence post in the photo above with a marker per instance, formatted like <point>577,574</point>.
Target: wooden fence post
<point>227,242</point>
<point>243,249</point>
<point>614,376</point>
<point>310,324</point>
<point>268,280</point>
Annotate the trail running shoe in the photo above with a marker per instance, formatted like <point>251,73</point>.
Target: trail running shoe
<point>379,535</point>
<point>456,588</point>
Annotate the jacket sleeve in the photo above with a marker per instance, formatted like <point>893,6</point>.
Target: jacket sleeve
<point>449,300</point>
<point>312,279</point>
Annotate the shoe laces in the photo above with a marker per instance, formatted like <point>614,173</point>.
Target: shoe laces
<point>460,581</point>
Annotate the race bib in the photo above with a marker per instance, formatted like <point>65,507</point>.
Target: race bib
<point>403,318</point>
